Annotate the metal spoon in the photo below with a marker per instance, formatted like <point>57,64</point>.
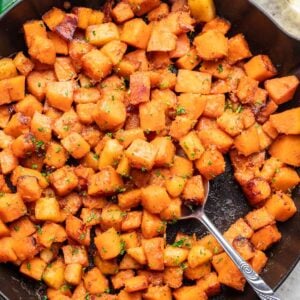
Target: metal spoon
<point>263,291</point>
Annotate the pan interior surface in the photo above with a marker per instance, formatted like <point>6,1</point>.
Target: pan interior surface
<point>226,200</point>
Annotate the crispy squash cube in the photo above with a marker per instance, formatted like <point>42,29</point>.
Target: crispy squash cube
<point>192,145</point>
<point>102,34</point>
<point>111,153</point>
<point>130,199</point>
<point>110,114</point>
<point>285,179</point>
<point>43,50</point>
<point>95,282</point>
<point>97,17</point>
<point>114,50</point>
<point>108,244</point>
<point>197,272</point>
<point>141,7</point>
<point>175,256</point>
<point>188,61</point>
<point>33,268</point>
<point>64,180</point>
<point>4,116</point>
<point>41,127</point>
<point>258,261</point>
<point>259,218</point>
<point>210,284</point>
<point>107,267</point>
<point>37,82</point>
<point>282,89</point>
<point>161,39</point>
<point>18,124</point>
<point>165,151</point>
<point>111,216</point>
<point>76,145</point>
<point>182,167</point>
<point>211,163</point>
<point>154,251</point>
<point>12,89</point>
<point>29,188</point>
<point>211,45</point>
<point>238,49</point>
<point>8,161</point>
<point>47,209</point>
<point>122,12</point>
<point>141,154</point>
<point>53,17</point>
<point>152,226</point>
<point>158,13</point>
<point>118,280</point>
<point>140,86</point>
<point>73,273</point>
<point>6,251</point>
<point>152,116</point>
<point>29,105</point>
<point>181,126</point>
<point>231,122</point>
<point>189,292</point>
<point>228,273</point>
<point>136,33</point>
<point>175,185</point>
<point>75,255</point>
<point>51,233</point>
<point>56,155</point>
<point>260,68</point>
<point>60,95</point>
<point>132,221</point>
<point>194,190</point>
<point>20,171</point>
<point>77,231</point>
<point>281,206</point>
<point>96,64</point>
<point>83,14</point>
<point>191,105</point>
<point>135,284</point>
<point>247,142</point>
<point>193,82</point>
<point>54,274</point>
<point>64,69</point>
<point>32,29</point>
<point>265,237</point>
<point>149,196</point>
<point>60,45</point>
<point>7,68</point>
<point>12,207</point>
<point>106,182</point>
<point>138,254</point>
<point>173,277</point>
<point>217,23</point>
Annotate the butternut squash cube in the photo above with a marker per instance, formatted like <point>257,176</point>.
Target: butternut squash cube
<point>193,82</point>
<point>122,12</point>
<point>154,251</point>
<point>73,273</point>
<point>210,284</point>
<point>284,179</point>
<point>281,206</point>
<point>282,89</point>
<point>108,244</point>
<point>83,14</point>
<point>194,190</point>
<point>259,218</point>
<point>33,268</point>
<point>247,142</point>
<point>96,64</point>
<point>152,116</point>
<point>76,145</point>
<point>202,11</point>
<point>114,50</point>
<point>56,155</point>
<point>152,226</point>
<point>238,49</point>
<point>109,114</point>
<point>43,50</point>
<point>141,7</point>
<point>165,151</point>
<point>32,29</point>
<point>47,209</point>
<point>7,68</point>
<point>189,292</point>
<point>29,188</point>
<point>51,233</point>
<point>151,194</point>
<point>102,34</point>
<point>54,274</point>
<point>139,88</point>
<point>211,45</point>
<point>12,207</point>
<point>106,182</point>
<point>60,95</point>
<point>192,145</point>
<point>136,33</point>
<point>53,17</point>
<point>265,237</point>
<point>141,154</point>
<point>95,282</point>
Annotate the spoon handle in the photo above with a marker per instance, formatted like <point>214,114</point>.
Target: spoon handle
<point>263,291</point>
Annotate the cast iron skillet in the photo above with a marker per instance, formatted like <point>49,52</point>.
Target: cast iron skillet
<point>227,202</point>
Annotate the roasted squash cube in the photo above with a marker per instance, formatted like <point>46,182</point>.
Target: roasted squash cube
<point>33,29</point>
<point>152,116</point>
<point>108,244</point>
<point>192,145</point>
<point>110,114</point>
<point>122,12</point>
<point>165,151</point>
<point>47,209</point>
<point>281,206</point>
<point>43,50</point>
<point>259,218</point>
<point>76,145</point>
<point>102,34</point>
<point>7,68</point>
<point>282,89</point>
<point>238,49</point>
<point>114,50</point>
<point>29,188</point>
<point>154,251</point>
<point>136,33</point>
<point>141,154</point>
<point>193,82</point>
<point>96,64</point>
<point>54,274</point>
<point>95,282</point>
<point>211,45</point>
<point>106,182</point>
<point>139,88</point>
<point>194,190</point>
<point>135,284</point>
<point>56,155</point>
<point>51,233</point>
<point>189,292</point>
<point>53,17</point>
<point>33,268</point>
<point>12,207</point>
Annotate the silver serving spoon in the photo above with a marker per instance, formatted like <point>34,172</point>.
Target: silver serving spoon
<point>263,291</point>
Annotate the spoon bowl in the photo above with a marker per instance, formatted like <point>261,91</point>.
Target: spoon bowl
<point>260,287</point>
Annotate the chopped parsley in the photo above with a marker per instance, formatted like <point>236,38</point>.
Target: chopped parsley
<point>220,68</point>
<point>123,248</point>
<point>180,111</point>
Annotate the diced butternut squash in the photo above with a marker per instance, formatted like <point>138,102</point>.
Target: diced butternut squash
<point>7,68</point>
<point>285,179</point>
<point>152,116</point>
<point>189,292</point>
<point>287,122</point>
<point>211,45</point>
<point>43,50</point>
<point>136,33</point>
<point>259,218</point>
<point>281,206</point>
<point>193,82</point>
<point>286,149</point>
<point>282,89</point>
<point>122,12</point>
<point>192,145</point>
<point>247,142</point>
<point>102,34</point>
<point>238,49</point>
<point>139,88</point>
<point>95,282</point>
<point>12,207</point>
<point>154,251</point>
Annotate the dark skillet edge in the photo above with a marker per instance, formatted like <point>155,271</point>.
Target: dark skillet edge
<point>22,281</point>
